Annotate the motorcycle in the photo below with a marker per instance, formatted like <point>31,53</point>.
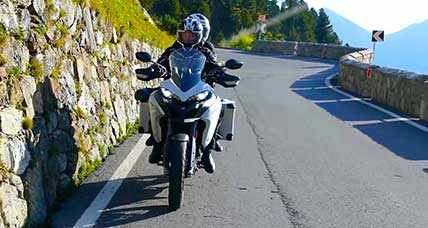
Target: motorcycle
<point>186,115</point>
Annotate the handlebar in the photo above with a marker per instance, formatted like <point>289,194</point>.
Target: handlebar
<point>217,75</point>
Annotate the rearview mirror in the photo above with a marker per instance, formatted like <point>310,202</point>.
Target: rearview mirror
<point>144,57</point>
<point>233,64</point>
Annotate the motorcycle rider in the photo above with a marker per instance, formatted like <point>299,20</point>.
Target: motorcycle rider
<point>194,34</point>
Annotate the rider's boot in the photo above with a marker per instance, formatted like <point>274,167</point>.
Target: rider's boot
<point>208,161</point>
<point>156,155</point>
<point>150,141</point>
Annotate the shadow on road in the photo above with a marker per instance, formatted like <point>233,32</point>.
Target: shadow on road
<point>133,192</point>
<point>400,138</point>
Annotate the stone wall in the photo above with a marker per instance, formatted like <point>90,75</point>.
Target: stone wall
<point>66,98</point>
<point>405,91</point>
<point>324,51</point>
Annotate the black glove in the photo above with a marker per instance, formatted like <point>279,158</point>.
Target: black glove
<point>150,73</point>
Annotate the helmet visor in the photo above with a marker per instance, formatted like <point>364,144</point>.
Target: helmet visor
<point>188,37</point>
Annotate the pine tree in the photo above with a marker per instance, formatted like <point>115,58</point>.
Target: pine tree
<point>228,17</point>
<point>306,23</point>
<point>170,7</point>
<point>324,30</point>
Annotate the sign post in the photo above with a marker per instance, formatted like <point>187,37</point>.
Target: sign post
<point>377,36</point>
<point>262,26</point>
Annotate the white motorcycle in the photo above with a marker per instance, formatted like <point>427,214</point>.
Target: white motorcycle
<point>185,114</point>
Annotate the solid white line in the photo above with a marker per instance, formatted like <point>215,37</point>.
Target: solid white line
<point>364,122</point>
<point>392,114</point>
<point>312,88</point>
<point>93,212</point>
<point>334,101</point>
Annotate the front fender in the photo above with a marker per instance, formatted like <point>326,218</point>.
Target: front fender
<point>211,118</point>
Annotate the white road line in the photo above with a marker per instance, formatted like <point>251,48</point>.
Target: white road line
<point>312,88</point>
<point>392,114</point>
<point>364,122</point>
<point>334,101</point>
<point>310,80</point>
<point>93,212</point>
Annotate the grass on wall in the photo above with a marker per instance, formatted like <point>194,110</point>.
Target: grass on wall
<point>127,16</point>
<point>243,42</point>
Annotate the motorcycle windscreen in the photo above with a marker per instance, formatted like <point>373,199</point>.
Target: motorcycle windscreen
<point>187,66</point>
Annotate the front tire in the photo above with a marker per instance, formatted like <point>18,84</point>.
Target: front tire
<point>177,147</point>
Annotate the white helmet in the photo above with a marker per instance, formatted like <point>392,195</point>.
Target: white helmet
<point>192,32</point>
<point>205,24</point>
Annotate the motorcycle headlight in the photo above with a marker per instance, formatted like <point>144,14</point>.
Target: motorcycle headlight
<point>167,94</point>
<point>201,96</point>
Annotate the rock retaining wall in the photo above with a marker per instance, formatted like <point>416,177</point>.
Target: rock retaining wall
<point>323,51</point>
<point>66,98</point>
<point>404,91</point>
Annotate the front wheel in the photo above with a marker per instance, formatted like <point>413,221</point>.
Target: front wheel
<point>176,151</point>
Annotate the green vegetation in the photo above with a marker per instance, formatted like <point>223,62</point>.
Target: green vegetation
<point>106,105</point>
<point>122,77</point>
<point>63,30</point>
<point>128,17</point>
<point>60,42</point>
<point>111,148</point>
<point>20,34</point>
<point>103,119</point>
<point>78,88</point>
<point>50,5</point>
<point>93,131</point>
<point>62,13</point>
<point>231,16</point>
<point>41,29</point>
<point>3,60</point>
<point>4,172</point>
<point>36,69</point>
<point>132,129</point>
<point>324,30</point>
<point>56,71</point>
<point>243,42</point>
<point>3,35</point>
<point>86,169</point>
<point>103,150</point>
<point>14,72</point>
<point>79,113</point>
<point>27,123</point>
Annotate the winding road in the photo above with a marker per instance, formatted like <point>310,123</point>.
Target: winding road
<point>304,156</point>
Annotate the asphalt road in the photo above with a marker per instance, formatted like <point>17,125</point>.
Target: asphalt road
<point>303,156</point>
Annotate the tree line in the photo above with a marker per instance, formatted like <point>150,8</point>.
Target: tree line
<point>228,17</point>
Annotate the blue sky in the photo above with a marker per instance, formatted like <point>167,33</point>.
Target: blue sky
<point>388,15</point>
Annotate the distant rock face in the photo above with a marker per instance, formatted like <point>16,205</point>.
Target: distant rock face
<point>66,96</point>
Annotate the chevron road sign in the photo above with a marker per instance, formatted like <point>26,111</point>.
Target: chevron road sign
<point>378,36</point>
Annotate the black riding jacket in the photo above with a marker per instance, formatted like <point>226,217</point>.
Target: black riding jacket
<point>207,49</point>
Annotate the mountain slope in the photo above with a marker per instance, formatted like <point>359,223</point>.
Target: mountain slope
<point>407,49</point>
<point>349,32</point>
